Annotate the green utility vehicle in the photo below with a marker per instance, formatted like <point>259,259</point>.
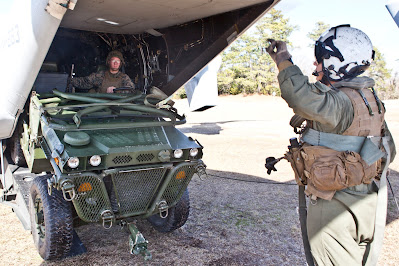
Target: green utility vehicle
<point>70,155</point>
<point>113,158</point>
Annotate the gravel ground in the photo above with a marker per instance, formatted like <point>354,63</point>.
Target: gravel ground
<point>247,221</point>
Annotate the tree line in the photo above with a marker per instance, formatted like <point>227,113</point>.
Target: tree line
<point>247,68</point>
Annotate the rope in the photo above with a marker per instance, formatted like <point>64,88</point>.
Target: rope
<point>253,181</point>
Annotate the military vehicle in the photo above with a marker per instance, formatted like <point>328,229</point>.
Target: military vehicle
<point>70,155</point>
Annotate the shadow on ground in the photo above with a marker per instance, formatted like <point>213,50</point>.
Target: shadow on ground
<point>235,219</point>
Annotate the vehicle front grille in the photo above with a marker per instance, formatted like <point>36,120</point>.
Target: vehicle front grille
<point>131,192</point>
<point>91,197</point>
<point>179,182</point>
<point>135,189</point>
<point>123,159</point>
<point>145,157</point>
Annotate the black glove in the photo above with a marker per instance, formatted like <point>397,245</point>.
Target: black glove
<point>281,54</point>
<point>270,162</point>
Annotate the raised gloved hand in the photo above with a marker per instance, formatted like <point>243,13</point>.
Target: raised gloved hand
<point>278,51</point>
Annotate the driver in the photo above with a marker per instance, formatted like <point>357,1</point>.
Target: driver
<point>105,81</point>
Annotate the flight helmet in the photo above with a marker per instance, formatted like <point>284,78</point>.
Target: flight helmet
<point>344,52</point>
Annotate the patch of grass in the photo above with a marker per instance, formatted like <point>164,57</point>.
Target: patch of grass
<point>238,218</point>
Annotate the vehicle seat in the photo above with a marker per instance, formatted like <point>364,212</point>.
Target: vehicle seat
<point>49,79</point>
<point>101,68</point>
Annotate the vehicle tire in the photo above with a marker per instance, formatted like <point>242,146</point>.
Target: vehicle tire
<point>17,155</point>
<point>51,220</point>
<point>177,216</point>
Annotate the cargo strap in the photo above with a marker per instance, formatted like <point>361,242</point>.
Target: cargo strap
<point>365,146</point>
<point>165,101</point>
<point>381,212</point>
<point>302,218</point>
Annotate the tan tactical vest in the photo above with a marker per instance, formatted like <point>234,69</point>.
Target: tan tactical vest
<point>325,170</point>
<point>364,124</point>
<point>110,80</point>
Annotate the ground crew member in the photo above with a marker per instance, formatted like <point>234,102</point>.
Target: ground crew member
<point>345,146</point>
<point>105,81</point>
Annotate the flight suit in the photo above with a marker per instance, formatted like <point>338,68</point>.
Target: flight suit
<point>339,229</point>
<point>101,80</point>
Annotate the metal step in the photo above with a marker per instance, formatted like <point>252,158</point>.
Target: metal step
<point>18,195</point>
<point>23,179</point>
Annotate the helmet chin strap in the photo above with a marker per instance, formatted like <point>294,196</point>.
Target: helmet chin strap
<point>316,73</point>
<point>325,79</point>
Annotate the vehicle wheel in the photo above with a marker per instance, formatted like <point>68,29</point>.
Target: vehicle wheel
<point>51,220</point>
<point>17,155</point>
<point>177,216</point>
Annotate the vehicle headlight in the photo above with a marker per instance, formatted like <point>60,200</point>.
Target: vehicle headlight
<point>193,152</point>
<point>73,162</point>
<point>178,153</point>
<point>95,160</point>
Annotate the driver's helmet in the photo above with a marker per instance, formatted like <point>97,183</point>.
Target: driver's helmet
<point>115,53</point>
<point>345,52</point>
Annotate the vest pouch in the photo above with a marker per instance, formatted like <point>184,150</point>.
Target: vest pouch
<point>328,173</point>
<point>330,170</point>
<point>325,168</point>
<point>297,164</point>
<point>358,171</point>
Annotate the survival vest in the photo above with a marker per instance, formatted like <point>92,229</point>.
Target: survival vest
<point>327,162</point>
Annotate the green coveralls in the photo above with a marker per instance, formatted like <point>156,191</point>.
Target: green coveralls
<point>338,230</point>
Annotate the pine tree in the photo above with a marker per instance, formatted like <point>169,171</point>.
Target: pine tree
<point>381,75</point>
<point>320,28</point>
<point>246,67</point>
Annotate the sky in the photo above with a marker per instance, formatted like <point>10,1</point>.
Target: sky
<point>370,16</point>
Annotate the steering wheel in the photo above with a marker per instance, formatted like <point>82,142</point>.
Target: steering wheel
<point>124,90</point>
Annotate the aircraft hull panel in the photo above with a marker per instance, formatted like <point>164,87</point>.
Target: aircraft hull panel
<point>131,17</point>
<point>27,32</point>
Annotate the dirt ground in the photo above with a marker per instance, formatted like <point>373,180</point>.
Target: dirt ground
<point>238,217</point>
